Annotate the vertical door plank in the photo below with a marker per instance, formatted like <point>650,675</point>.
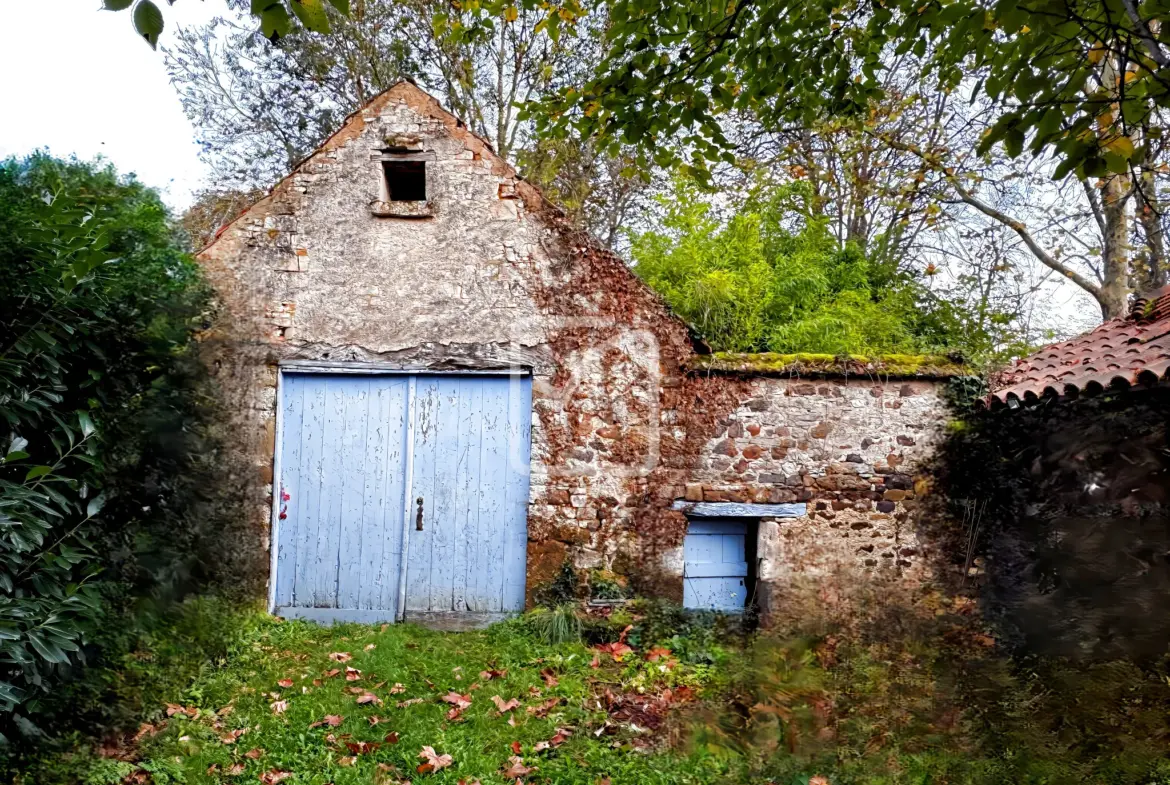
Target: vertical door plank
<point>516,492</point>
<point>332,484</point>
<point>309,504</point>
<point>382,509</point>
<point>493,492</point>
<point>442,513</point>
<point>292,398</point>
<point>354,467</point>
<point>467,494</point>
<point>426,436</point>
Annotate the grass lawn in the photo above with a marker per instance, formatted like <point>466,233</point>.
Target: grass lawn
<point>360,704</point>
<point>297,703</point>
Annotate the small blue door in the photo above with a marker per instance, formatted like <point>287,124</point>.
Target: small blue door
<point>715,571</point>
<point>378,472</point>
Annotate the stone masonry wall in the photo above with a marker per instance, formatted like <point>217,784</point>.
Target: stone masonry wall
<point>853,451</point>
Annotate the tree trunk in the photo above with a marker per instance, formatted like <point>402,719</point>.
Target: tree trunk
<point>1149,210</point>
<point>1114,293</point>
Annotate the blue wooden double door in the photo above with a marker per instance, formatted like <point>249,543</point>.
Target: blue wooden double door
<point>401,495</point>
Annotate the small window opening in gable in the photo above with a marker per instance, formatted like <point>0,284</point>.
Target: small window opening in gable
<point>406,181</point>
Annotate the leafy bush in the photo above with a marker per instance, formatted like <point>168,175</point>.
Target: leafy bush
<point>105,461</point>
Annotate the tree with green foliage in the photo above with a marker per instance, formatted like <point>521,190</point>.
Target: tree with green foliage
<point>769,275</point>
<point>1086,83</point>
<point>273,16</point>
<point>104,454</point>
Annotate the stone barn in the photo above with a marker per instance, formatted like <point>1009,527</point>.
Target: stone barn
<point>446,393</point>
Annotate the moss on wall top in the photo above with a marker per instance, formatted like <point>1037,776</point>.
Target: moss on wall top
<point>930,366</point>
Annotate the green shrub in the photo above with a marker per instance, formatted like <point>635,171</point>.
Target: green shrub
<point>105,460</point>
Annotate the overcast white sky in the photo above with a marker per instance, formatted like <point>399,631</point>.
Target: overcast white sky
<point>78,80</point>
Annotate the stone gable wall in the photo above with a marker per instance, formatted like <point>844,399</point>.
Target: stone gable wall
<point>495,278</point>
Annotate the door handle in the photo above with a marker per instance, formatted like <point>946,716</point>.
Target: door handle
<point>418,518</point>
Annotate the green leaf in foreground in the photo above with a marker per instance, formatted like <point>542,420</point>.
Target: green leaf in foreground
<point>148,21</point>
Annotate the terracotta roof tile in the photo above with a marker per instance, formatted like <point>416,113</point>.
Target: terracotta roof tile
<point>1127,350</point>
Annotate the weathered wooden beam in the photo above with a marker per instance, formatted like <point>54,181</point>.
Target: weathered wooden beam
<point>738,510</point>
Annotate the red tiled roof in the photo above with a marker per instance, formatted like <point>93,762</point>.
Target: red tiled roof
<point>1128,350</point>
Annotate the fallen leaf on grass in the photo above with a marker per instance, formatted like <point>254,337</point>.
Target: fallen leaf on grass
<point>616,650</point>
<point>189,711</point>
<point>279,707</point>
<point>371,646</point>
<point>285,683</point>
<point>658,653</point>
<point>352,674</point>
<point>433,762</point>
<point>541,746</point>
<point>544,708</point>
<point>332,720</point>
<point>595,662</point>
<point>392,737</point>
<point>517,769</point>
<point>362,747</point>
<point>560,737</point>
<point>503,705</point>
<point>492,674</point>
<point>455,715</point>
<point>331,673</point>
<point>549,677</point>
<point>369,697</point>
<point>397,689</point>
<point>341,656</point>
<point>409,702</point>
<point>146,729</point>
<point>235,770</point>
<point>348,760</point>
<point>458,701</point>
<point>254,754</point>
<point>516,748</point>
<point>273,776</point>
<point>231,736</point>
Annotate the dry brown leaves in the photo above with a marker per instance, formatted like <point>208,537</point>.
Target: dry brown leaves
<point>286,683</point>
<point>352,674</point>
<point>616,650</point>
<point>332,720</point>
<point>542,710</point>
<point>504,706</point>
<point>488,675</point>
<point>517,768</point>
<point>273,776</point>
<point>550,679</point>
<point>187,711</point>
<point>341,656</point>
<point>432,761</point>
<point>457,700</point>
